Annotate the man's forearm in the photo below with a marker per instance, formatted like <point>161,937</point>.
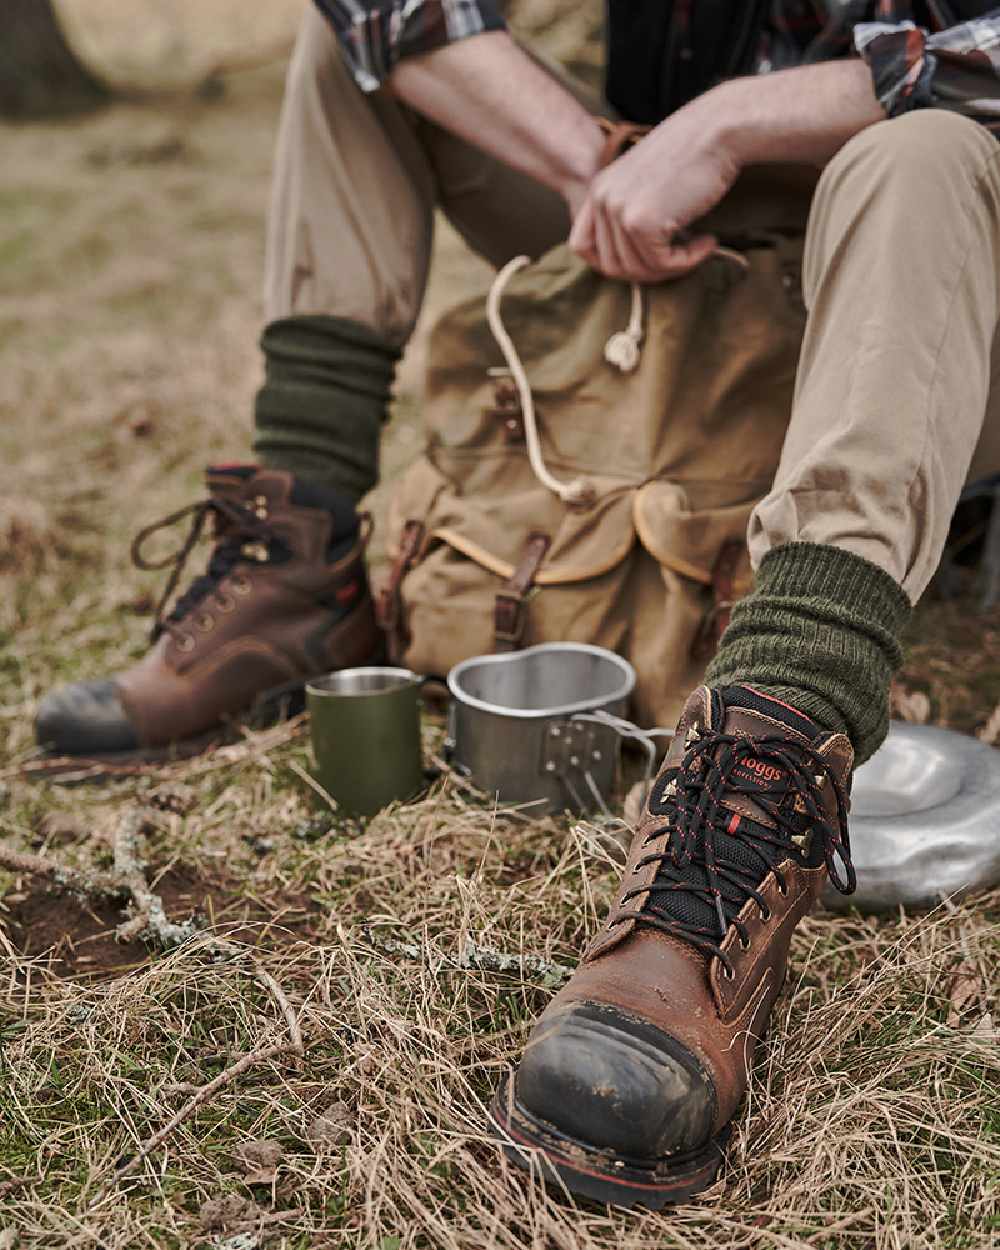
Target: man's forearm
<point>800,115</point>
<point>489,91</point>
<point>638,217</point>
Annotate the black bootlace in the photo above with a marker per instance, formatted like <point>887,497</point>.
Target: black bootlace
<point>697,822</point>
<point>235,526</point>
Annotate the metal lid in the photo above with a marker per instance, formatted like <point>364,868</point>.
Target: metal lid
<point>925,819</point>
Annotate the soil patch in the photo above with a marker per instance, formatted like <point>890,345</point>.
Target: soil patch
<point>76,937</point>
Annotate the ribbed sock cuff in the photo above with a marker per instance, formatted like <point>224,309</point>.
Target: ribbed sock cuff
<point>325,397</point>
<point>821,630</point>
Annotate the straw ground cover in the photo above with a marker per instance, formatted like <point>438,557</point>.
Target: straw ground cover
<point>130,254</point>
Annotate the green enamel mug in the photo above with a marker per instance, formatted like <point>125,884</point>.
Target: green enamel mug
<point>365,726</point>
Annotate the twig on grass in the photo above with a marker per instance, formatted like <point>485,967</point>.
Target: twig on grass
<point>226,1077</point>
<point>150,917</point>
<point>287,1010</point>
<point>94,883</point>
<point>264,1219</point>
<point>474,956</point>
<point>488,960</point>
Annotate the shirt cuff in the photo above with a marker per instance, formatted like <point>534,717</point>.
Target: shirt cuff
<point>375,35</point>
<point>901,65</point>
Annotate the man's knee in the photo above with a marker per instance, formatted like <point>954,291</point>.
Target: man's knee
<point>927,144</point>
<point>912,178</point>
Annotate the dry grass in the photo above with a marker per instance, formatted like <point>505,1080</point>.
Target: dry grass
<point>130,249</point>
<point>873,1121</point>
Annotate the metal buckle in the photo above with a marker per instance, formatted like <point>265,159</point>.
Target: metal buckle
<point>508,617</point>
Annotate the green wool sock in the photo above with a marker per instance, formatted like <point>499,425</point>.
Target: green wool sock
<point>325,396</point>
<point>820,630</point>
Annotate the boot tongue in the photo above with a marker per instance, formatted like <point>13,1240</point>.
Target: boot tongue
<point>753,711</point>
<point>749,713</point>
<point>235,482</point>
<point>230,482</point>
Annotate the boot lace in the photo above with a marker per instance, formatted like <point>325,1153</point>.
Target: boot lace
<point>235,525</point>
<point>704,834</point>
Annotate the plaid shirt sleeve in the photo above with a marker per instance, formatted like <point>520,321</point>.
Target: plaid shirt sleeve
<point>957,68</point>
<point>375,34</point>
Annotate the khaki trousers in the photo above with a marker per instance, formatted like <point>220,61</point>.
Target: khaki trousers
<point>900,278</point>
<point>357,178</point>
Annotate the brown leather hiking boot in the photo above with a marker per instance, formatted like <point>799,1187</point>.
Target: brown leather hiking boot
<point>282,599</point>
<point>634,1072</point>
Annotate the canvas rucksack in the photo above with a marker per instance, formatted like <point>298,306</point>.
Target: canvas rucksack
<point>628,529</point>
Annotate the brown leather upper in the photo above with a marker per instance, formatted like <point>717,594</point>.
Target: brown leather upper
<point>659,978</point>
<point>266,625</point>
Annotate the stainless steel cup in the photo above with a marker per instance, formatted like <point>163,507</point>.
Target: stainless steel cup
<point>365,726</point>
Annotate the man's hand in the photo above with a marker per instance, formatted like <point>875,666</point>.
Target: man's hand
<point>634,221</point>
<point>639,218</point>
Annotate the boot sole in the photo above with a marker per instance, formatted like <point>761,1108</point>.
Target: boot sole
<point>600,1176</point>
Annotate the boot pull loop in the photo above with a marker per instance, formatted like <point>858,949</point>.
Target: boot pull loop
<point>509,617</point>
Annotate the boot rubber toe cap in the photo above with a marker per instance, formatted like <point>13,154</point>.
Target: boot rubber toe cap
<point>86,718</point>
<point>616,1083</point>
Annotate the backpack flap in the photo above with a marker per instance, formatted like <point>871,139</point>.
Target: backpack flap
<point>492,573</point>
<point>694,565</point>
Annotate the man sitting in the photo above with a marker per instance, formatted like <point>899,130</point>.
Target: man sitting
<point>636,1069</point>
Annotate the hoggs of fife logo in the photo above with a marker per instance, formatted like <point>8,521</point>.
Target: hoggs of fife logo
<point>761,771</point>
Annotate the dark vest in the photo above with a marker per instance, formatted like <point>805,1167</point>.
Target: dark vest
<point>663,53</point>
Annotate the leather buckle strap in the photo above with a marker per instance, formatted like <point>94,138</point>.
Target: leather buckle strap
<point>618,137</point>
<point>724,595</point>
<point>389,601</point>
<point>509,616</point>
<point>506,405</point>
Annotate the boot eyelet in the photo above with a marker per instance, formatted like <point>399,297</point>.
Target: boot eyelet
<point>225,604</point>
<point>241,585</point>
<point>782,889</point>
<point>728,973</point>
<point>186,643</point>
<point>744,945</point>
<point>765,915</point>
<point>205,624</point>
